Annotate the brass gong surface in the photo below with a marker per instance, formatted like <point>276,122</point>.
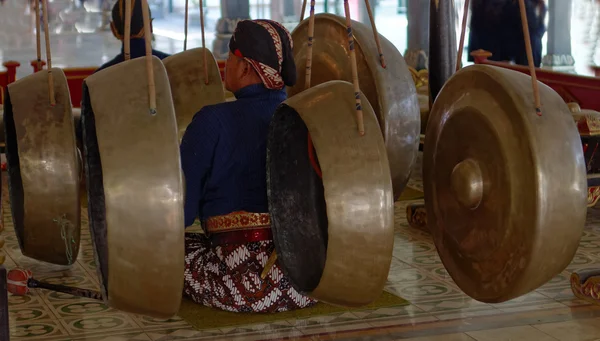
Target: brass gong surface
<point>135,188</point>
<point>357,191</point>
<point>505,188</point>
<point>43,168</point>
<point>188,88</point>
<point>391,91</point>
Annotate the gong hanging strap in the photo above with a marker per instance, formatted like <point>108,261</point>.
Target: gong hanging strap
<point>311,33</point>
<point>149,68</point>
<point>127,33</point>
<point>48,54</point>
<point>375,33</point>
<point>38,43</point>
<point>463,28</point>
<point>203,42</point>
<point>185,29</point>
<point>359,113</point>
<point>534,83</point>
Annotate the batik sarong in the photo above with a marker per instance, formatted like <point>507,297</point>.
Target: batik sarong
<point>223,269</point>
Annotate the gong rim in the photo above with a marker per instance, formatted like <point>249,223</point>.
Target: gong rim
<point>144,276</point>
<point>188,88</point>
<point>357,193</point>
<point>505,214</point>
<point>42,166</point>
<point>391,91</point>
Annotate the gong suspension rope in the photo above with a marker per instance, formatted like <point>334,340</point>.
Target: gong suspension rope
<point>185,30</point>
<point>359,113</point>
<point>311,34</point>
<point>536,91</point>
<point>149,67</point>
<point>203,42</point>
<point>463,28</point>
<point>127,33</point>
<point>38,43</point>
<point>48,54</point>
<point>375,34</point>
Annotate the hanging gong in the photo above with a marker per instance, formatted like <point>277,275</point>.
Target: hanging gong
<point>43,168</point>
<point>135,188</point>
<point>334,236</point>
<point>391,91</point>
<point>188,88</point>
<point>505,189</point>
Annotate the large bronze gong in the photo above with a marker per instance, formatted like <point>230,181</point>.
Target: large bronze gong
<point>505,189</point>
<point>334,236</point>
<point>391,91</point>
<point>43,168</point>
<point>188,87</point>
<point>135,188</point>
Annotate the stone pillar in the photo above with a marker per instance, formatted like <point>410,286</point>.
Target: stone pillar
<point>559,36</point>
<point>232,11</point>
<point>417,51</point>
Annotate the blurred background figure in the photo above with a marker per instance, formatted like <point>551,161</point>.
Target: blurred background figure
<point>496,27</point>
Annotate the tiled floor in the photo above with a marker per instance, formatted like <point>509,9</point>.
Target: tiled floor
<point>438,309</point>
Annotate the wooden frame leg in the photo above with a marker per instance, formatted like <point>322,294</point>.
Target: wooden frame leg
<point>4,329</point>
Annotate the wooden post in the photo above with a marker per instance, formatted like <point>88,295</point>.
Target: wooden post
<point>4,330</point>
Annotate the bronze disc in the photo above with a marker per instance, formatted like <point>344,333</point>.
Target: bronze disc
<point>391,91</point>
<point>505,188</point>
<point>43,168</point>
<point>188,88</point>
<point>135,188</point>
<point>334,236</point>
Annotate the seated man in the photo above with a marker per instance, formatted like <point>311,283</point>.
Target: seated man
<point>223,156</point>
<point>137,41</point>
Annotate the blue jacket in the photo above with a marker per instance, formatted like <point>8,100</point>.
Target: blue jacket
<point>224,155</point>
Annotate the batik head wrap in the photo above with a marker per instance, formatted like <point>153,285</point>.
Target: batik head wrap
<point>137,20</point>
<point>267,46</point>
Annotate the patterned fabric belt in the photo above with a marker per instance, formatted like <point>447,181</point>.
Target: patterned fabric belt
<point>237,221</point>
<point>241,237</point>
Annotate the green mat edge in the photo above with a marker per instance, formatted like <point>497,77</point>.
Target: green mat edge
<point>201,317</point>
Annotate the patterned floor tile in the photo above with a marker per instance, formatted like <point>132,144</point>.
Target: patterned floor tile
<point>37,330</point>
<point>29,313</point>
<point>532,298</point>
<point>149,323</point>
<point>407,275</point>
<point>33,299</point>
<point>424,291</point>
<point>468,313</point>
<point>99,324</point>
<point>324,319</point>
<point>462,303</point>
<point>84,307</point>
